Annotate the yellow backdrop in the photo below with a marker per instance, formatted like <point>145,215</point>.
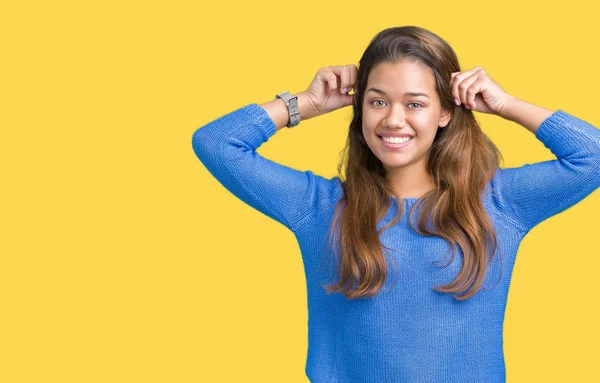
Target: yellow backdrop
<point>123,260</point>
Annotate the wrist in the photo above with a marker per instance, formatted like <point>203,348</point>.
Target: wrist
<point>526,114</point>
<point>306,107</point>
<point>508,110</point>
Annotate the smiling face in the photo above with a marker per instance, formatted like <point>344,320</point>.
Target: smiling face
<point>404,103</point>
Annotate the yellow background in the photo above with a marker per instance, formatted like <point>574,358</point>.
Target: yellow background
<point>123,260</point>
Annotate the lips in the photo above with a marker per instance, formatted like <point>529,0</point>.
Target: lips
<point>395,146</point>
<point>392,135</point>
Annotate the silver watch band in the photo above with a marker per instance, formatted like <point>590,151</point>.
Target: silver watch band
<point>292,104</point>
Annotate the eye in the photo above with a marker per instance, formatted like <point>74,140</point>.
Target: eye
<point>419,106</point>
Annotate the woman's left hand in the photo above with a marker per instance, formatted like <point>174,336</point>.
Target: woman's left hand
<point>477,91</point>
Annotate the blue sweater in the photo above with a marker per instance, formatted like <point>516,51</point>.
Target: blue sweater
<point>407,332</point>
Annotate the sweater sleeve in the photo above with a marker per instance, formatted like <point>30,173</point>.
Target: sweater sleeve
<point>532,193</point>
<point>227,148</point>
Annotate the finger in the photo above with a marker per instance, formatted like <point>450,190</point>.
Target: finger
<point>457,78</point>
<point>345,79</point>
<point>466,89</point>
<point>452,75</point>
<point>322,77</point>
<point>452,82</point>
<point>353,75</point>
<point>331,79</point>
<point>344,72</point>
<point>475,88</point>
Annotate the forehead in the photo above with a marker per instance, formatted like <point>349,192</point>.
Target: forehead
<point>396,78</point>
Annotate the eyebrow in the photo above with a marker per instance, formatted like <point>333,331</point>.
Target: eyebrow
<point>412,94</point>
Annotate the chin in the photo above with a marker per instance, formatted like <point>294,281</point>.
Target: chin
<point>395,164</point>
<point>400,161</point>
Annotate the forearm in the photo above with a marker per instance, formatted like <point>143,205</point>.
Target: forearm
<point>526,114</point>
<point>277,110</point>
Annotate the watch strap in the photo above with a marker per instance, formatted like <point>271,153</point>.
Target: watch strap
<point>293,110</point>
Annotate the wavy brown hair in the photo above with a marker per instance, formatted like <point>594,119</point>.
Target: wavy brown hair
<point>461,161</point>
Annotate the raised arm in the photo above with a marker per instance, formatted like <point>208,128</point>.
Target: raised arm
<point>535,192</point>
<point>227,148</point>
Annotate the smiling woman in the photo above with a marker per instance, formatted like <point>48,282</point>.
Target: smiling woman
<point>409,146</point>
<point>391,108</point>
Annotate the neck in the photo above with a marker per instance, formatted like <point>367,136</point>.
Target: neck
<point>410,181</point>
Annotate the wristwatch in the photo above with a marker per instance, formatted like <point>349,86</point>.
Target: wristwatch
<point>292,104</point>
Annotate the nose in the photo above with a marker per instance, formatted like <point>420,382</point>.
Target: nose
<point>396,118</point>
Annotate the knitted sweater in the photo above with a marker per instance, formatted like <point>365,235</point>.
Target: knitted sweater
<point>407,332</point>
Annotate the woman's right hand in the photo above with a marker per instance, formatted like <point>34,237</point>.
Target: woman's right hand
<point>326,92</point>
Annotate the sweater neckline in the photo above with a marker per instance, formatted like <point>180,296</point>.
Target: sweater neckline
<point>407,200</point>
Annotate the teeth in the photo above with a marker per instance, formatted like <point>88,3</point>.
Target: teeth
<point>396,140</point>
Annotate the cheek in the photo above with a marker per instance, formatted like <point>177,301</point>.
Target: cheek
<point>369,124</point>
<point>368,134</point>
<point>425,118</point>
<point>369,138</point>
<point>369,117</point>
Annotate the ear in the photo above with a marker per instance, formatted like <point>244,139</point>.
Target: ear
<point>445,118</point>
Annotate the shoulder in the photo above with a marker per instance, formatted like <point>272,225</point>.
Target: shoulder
<point>497,196</point>
<point>322,198</point>
<point>328,190</point>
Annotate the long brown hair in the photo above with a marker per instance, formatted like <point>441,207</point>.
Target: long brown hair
<point>461,161</point>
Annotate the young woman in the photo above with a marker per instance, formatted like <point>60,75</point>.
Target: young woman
<point>413,146</point>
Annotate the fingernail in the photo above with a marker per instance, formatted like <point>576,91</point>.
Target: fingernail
<point>456,101</point>
<point>344,90</point>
